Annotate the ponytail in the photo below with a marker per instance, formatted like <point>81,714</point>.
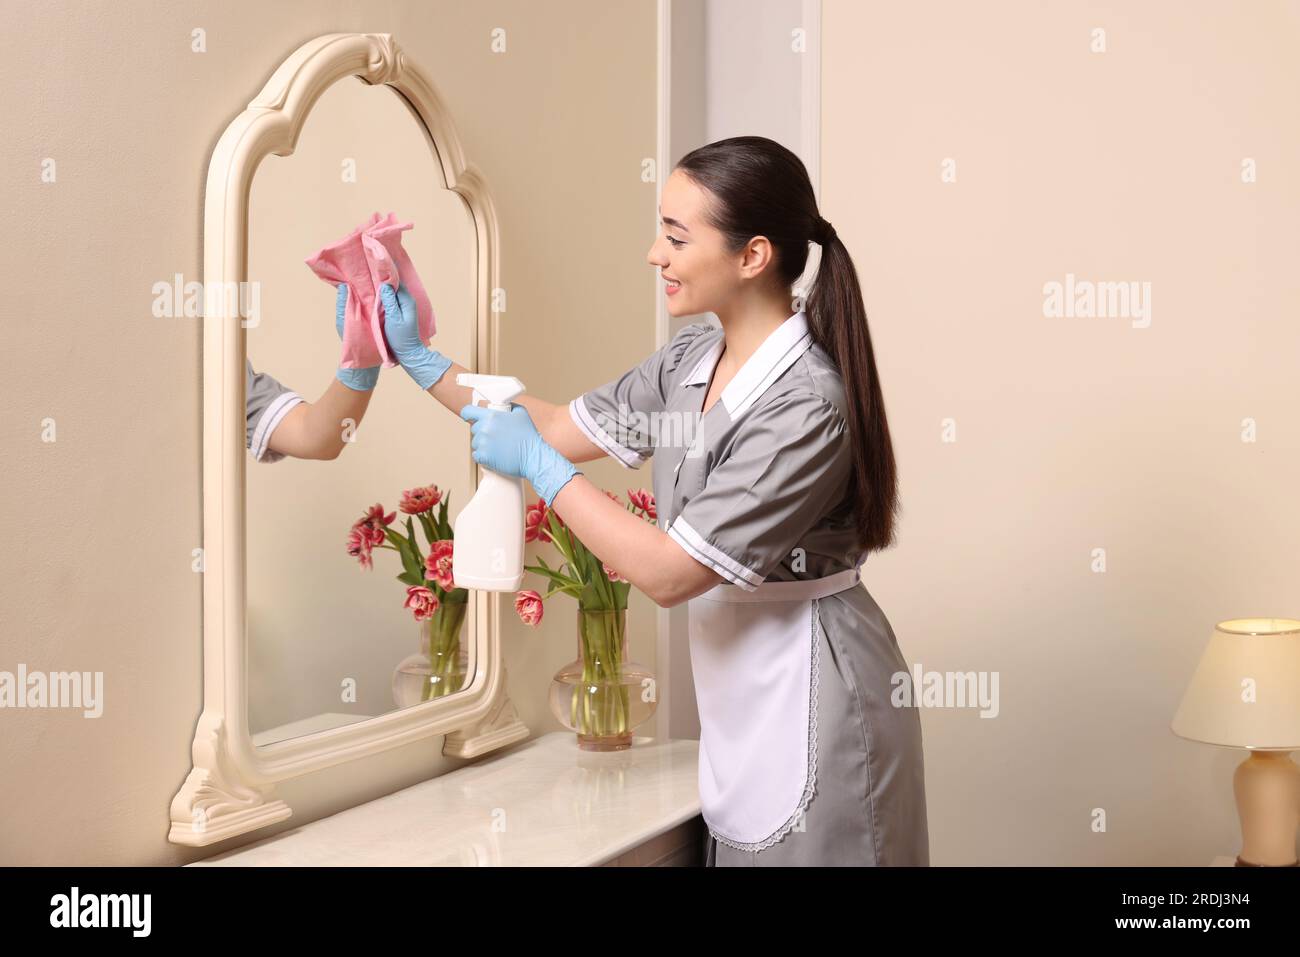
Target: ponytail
<point>762,188</point>
<point>838,320</point>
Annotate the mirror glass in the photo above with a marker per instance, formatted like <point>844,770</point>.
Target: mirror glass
<point>329,641</point>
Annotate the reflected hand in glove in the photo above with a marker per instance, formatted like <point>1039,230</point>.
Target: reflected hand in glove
<point>402,330</point>
<point>509,443</point>
<point>359,380</point>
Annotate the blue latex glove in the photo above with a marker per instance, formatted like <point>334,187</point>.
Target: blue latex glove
<point>509,443</point>
<point>359,380</point>
<point>402,330</point>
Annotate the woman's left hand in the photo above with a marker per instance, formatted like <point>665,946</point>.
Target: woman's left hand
<point>509,443</point>
<point>358,380</point>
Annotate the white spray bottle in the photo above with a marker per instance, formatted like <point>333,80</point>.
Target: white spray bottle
<point>489,531</point>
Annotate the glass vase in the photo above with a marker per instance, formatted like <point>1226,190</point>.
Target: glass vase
<point>601,695</point>
<point>442,664</point>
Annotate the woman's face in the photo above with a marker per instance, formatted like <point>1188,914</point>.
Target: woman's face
<point>699,275</point>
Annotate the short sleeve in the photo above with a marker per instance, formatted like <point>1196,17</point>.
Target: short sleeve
<point>612,415</point>
<point>787,468</point>
<point>266,402</point>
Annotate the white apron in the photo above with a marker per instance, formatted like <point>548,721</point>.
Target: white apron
<point>754,654</point>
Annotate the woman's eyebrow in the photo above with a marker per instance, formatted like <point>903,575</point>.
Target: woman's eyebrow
<point>672,222</point>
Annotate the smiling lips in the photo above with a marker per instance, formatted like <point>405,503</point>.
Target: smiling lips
<point>672,285</point>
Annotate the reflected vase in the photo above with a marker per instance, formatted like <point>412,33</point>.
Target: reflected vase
<point>601,695</point>
<point>442,664</point>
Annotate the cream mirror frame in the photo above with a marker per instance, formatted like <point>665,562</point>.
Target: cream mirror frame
<point>230,789</point>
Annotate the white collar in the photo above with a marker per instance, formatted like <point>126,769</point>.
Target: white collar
<point>785,344</point>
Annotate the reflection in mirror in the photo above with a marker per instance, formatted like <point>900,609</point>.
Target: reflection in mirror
<point>329,640</point>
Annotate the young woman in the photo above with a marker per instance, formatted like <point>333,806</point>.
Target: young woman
<point>774,478</point>
<point>280,422</point>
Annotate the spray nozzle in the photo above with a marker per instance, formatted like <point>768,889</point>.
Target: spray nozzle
<point>495,390</point>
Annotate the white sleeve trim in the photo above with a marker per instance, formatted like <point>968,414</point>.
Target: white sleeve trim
<point>276,411</point>
<point>626,457</point>
<point>726,566</point>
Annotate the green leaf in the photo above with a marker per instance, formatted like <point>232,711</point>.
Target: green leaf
<point>595,575</point>
<point>557,535</point>
<point>591,597</point>
<point>581,559</point>
<point>426,523</point>
<point>552,575</point>
<point>411,559</point>
<point>444,529</point>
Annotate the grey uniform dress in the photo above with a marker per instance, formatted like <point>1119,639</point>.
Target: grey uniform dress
<point>266,403</point>
<point>805,759</point>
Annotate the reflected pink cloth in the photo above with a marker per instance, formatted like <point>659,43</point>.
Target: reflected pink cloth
<point>368,257</point>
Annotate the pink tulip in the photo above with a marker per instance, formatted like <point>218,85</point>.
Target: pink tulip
<point>528,606</point>
<point>422,602</point>
<point>613,575</point>
<point>438,563</point>
<point>376,515</point>
<point>535,527</point>
<point>420,499</point>
<point>359,547</point>
<point>643,500</point>
<point>373,522</point>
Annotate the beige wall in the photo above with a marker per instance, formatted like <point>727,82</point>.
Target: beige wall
<point>100,523</point>
<point>1075,434</point>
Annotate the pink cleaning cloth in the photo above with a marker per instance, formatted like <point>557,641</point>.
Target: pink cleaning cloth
<point>368,257</point>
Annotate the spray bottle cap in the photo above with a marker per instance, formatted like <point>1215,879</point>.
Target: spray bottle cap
<point>496,390</point>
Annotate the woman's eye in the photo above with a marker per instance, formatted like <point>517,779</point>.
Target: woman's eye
<point>676,242</point>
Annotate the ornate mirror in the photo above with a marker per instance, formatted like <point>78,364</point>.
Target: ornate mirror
<point>311,657</point>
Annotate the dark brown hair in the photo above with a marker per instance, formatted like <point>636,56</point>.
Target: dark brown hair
<point>760,188</point>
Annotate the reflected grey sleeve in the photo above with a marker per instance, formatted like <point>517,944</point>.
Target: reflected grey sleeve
<point>787,469</point>
<point>266,402</point>
<point>613,416</point>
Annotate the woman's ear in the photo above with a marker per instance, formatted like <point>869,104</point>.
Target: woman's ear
<point>756,257</point>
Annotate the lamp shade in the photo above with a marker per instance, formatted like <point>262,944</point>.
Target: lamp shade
<point>1245,692</point>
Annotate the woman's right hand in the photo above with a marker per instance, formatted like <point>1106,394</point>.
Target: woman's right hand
<point>402,330</point>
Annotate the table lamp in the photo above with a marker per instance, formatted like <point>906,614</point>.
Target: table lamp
<point>1245,693</point>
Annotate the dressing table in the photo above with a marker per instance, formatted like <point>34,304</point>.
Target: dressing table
<point>541,802</point>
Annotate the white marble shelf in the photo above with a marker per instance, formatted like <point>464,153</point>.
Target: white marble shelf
<point>541,802</point>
